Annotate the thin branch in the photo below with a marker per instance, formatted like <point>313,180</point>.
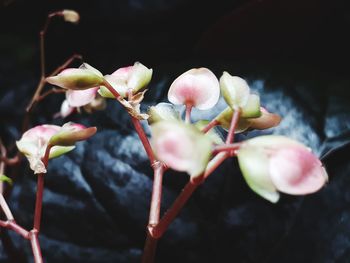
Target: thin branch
<point>210,125</point>
<point>182,199</point>
<point>39,192</point>
<point>144,139</point>
<point>42,80</point>
<point>34,241</point>
<point>226,148</point>
<point>5,208</point>
<point>151,242</point>
<point>12,225</point>
<point>233,125</point>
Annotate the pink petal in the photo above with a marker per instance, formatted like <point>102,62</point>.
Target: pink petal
<point>43,132</point>
<point>78,98</point>
<point>198,87</point>
<point>295,170</point>
<point>123,73</point>
<point>66,110</point>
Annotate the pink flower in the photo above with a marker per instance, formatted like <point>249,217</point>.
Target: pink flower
<point>196,87</point>
<point>34,142</point>
<point>84,77</point>
<point>181,146</point>
<point>131,78</point>
<point>275,163</point>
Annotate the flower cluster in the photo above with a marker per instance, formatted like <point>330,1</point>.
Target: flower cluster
<point>269,163</point>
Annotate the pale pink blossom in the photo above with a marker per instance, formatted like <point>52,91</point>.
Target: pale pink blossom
<point>197,87</point>
<point>181,146</point>
<point>131,78</point>
<point>272,164</point>
<point>34,142</point>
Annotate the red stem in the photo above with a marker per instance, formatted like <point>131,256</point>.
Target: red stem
<point>5,208</point>
<point>137,125</point>
<point>151,242</point>
<point>156,194</point>
<point>210,125</point>
<point>36,246</point>
<point>11,224</point>
<point>143,139</point>
<point>233,125</point>
<point>226,148</point>
<point>39,192</point>
<point>183,197</point>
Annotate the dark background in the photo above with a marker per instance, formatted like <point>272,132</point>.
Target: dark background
<point>295,53</point>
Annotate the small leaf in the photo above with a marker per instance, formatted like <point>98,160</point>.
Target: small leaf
<point>6,179</point>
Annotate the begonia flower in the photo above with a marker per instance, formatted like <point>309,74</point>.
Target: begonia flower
<point>84,77</point>
<point>34,142</point>
<point>235,90</point>
<point>132,78</point>
<point>181,146</point>
<point>197,88</point>
<point>162,112</point>
<point>271,164</point>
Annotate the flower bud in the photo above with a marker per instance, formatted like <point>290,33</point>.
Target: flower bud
<point>131,78</point>
<point>273,163</point>
<point>181,146</point>
<point>70,16</point>
<point>197,87</point>
<point>235,90</point>
<point>82,78</point>
<point>265,121</point>
<point>70,133</point>
<point>162,112</point>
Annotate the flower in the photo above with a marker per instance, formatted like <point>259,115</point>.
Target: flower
<point>235,90</point>
<point>34,142</point>
<point>181,146</point>
<point>70,16</point>
<point>196,87</point>
<point>131,78</point>
<point>84,77</point>
<point>79,98</point>
<point>263,120</point>
<point>274,163</point>
<point>161,112</point>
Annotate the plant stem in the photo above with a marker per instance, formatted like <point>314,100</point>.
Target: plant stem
<point>183,197</point>
<point>39,192</point>
<point>5,208</point>
<point>138,127</point>
<point>210,125</point>
<point>144,139</point>
<point>156,194</point>
<point>11,224</point>
<point>151,242</point>
<point>34,241</point>
<point>233,125</point>
<point>226,147</point>
<point>188,113</point>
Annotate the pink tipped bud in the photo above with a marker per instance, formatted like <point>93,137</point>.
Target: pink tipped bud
<point>196,87</point>
<point>235,90</point>
<point>70,133</point>
<point>82,78</point>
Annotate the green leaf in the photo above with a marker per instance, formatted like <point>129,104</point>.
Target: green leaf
<point>6,179</point>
